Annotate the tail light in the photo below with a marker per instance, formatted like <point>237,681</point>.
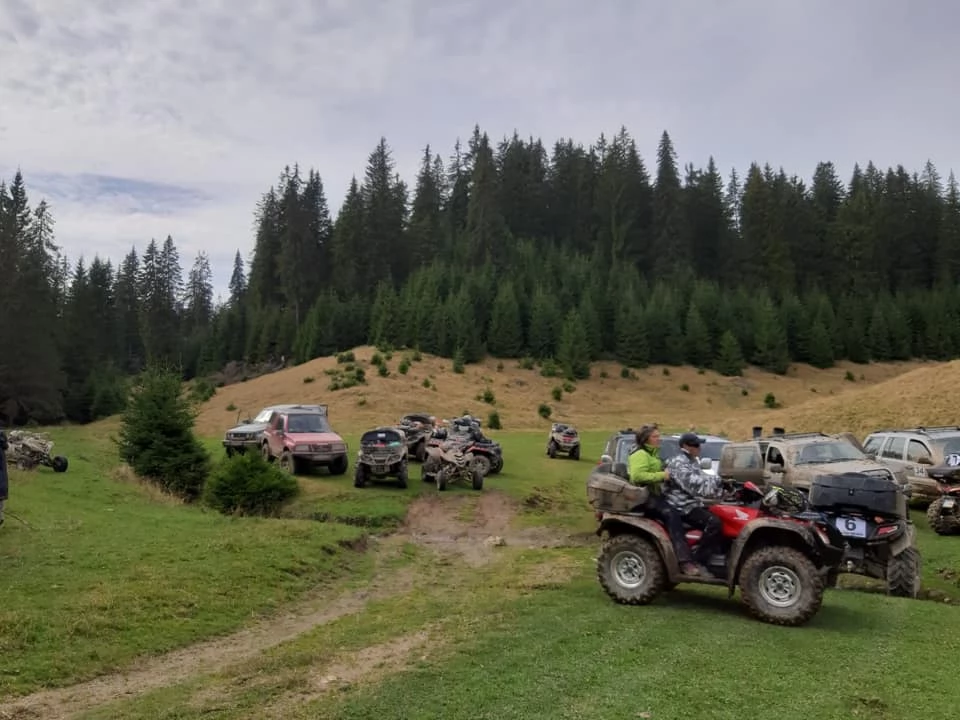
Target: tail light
<point>885,530</point>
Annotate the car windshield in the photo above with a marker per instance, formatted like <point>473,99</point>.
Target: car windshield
<point>380,437</point>
<point>828,452</point>
<point>948,446</point>
<point>307,423</point>
<point>263,417</point>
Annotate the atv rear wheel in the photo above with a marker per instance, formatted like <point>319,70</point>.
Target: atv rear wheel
<point>949,525</point>
<point>496,465</point>
<point>551,449</point>
<point>630,569</point>
<point>59,463</point>
<point>780,585</point>
<point>482,463</point>
<point>575,453</point>
<point>903,574</point>
<point>360,476</point>
<point>442,479</point>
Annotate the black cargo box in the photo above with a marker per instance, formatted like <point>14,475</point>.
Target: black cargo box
<point>858,491</point>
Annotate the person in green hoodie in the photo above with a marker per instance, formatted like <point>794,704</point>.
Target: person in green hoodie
<point>646,468</point>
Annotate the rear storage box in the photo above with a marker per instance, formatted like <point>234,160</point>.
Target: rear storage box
<point>611,493</point>
<point>857,491</point>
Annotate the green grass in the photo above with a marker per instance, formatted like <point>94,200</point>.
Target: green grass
<point>107,570</point>
<point>531,635</point>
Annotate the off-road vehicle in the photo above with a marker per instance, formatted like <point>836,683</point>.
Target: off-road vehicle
<point>27,450</point>
<point>466,431</point>
<point>778,554</point>
<point>301,439</point>
<point>621,443</point>
<point>248,435</point>
<point>564,439</point>
<point>417,428</point>
<point>382,454</point>
<point>863,498</point>
<point>912,452</point>
<point>943,514</point>
<point>451,462</point>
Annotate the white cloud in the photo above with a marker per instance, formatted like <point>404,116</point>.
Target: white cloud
<point>218,96</point>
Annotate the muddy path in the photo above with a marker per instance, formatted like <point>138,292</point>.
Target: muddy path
<point>469,526</point>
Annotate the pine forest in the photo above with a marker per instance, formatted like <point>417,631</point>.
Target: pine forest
<point>508,249</point>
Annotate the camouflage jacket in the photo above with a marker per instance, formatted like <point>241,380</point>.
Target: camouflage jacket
<point>688,483</point>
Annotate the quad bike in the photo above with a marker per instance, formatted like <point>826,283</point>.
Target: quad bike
<point>449,463</point>
<point>27,450</point>
<point>487,453</point>
<point>563,439</point>
<point>778,554</point>
<point>943,514</point>
<point>872,515</point>
<point>417,427</point>
<point>382,454</point>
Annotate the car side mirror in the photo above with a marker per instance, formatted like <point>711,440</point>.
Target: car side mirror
<point>706,463</point>
<point>925,460</point>
<point>776,468</point>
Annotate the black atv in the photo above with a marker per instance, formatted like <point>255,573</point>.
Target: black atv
<point>383,454</point>
<point>871,513</point>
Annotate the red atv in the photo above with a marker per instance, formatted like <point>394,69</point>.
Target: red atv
<point>777,553</point>
<point>943,514</point>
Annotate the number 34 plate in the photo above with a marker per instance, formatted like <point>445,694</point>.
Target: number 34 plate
<point>949,502</point>
<point>852,526</point>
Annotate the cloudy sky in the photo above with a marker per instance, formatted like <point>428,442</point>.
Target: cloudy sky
<point>142,118</point>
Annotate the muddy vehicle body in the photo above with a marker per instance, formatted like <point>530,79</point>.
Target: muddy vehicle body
<point>466,431</point>
<point>913,452</point>
<point>865,500</point>
<point>943,514</point>
<point>301,439</point>
<point>27,450</point>
<point>563,439</point>
<point>418,428</point>
<point>382,455</point>
<point>248,435</point>
<point>451,462</point>
<point>775,551</point>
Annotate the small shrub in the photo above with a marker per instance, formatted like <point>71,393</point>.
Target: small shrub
<point>604,374</point>
<point>247,484</point>
<point>544,411</point>
<point>849,377</point>
<point>417,356</point>
<point>202,390</point>
<point>493,421</point>
<point>499,367</point>
<point>685,387</point>
<point>383,370</point>
<point>362,400</point>
<point>376,359</point>
<point>231,407</point>
<point>308,379</point>
<point>701,371</point>
<point>666,372</point>
<point>770,400</point>
<point>388,355</point>
<point>404,367</point>
<point>458,362</point>
<point>569,387</point>
<point>625,373</point>
<point>346,357</point>
<point>549,368</point>
<point>556,393</point>
<point>526,363</point>
<point>488,396</point>
<point>426,382</point>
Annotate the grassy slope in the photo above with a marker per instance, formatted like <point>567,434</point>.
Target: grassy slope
<point>710,400</point>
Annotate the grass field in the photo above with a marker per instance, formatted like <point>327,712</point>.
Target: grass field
<point>119,602</point>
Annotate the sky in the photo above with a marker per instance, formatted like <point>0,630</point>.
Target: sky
<point>136,119</point>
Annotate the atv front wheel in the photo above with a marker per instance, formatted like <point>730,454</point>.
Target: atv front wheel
<point>477,480</point>
<point>631,570</point>
<point>903,574</point>
<point>942,525</point>
<point>402,476</point>
<point>496,465</point>
<point>360,476</point>
<point>482,463</point>
<point>780,585</point>
<point>59,463</point>
<point>442,479</point>
<point>575,453</point>
<point>551,449</point>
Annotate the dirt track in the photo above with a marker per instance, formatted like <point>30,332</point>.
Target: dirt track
<point>432,522</point>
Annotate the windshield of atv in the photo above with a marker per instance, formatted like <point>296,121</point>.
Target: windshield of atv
<point>828,452</point>
<point>381,437</point>
<point>307,423</point>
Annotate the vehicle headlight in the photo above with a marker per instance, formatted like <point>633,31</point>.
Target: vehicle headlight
<point>301,448</point>
<point>339,447</point>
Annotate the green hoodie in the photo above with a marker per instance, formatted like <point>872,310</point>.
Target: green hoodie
<point>644,466</point>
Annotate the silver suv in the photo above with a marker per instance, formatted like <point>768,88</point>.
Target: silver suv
<point>913,450</point>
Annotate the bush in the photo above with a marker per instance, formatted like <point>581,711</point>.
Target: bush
<point>493,421</point>
<point>246,484</point>
<point>544,411</point>
<point>156,435</point>
<point>557,393</point>
<point>488,397</point>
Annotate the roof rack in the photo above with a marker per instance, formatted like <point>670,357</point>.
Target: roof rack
<point>795,436</point>
<point>922,429</point>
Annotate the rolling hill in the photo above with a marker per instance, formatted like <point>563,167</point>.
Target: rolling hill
<point>849,396</point>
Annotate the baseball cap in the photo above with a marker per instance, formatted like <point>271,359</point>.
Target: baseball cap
<point>689,438</point>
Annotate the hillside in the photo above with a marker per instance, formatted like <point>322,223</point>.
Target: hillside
<point>674,397</point>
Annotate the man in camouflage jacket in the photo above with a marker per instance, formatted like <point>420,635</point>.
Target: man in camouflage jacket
<point>684,490</point>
